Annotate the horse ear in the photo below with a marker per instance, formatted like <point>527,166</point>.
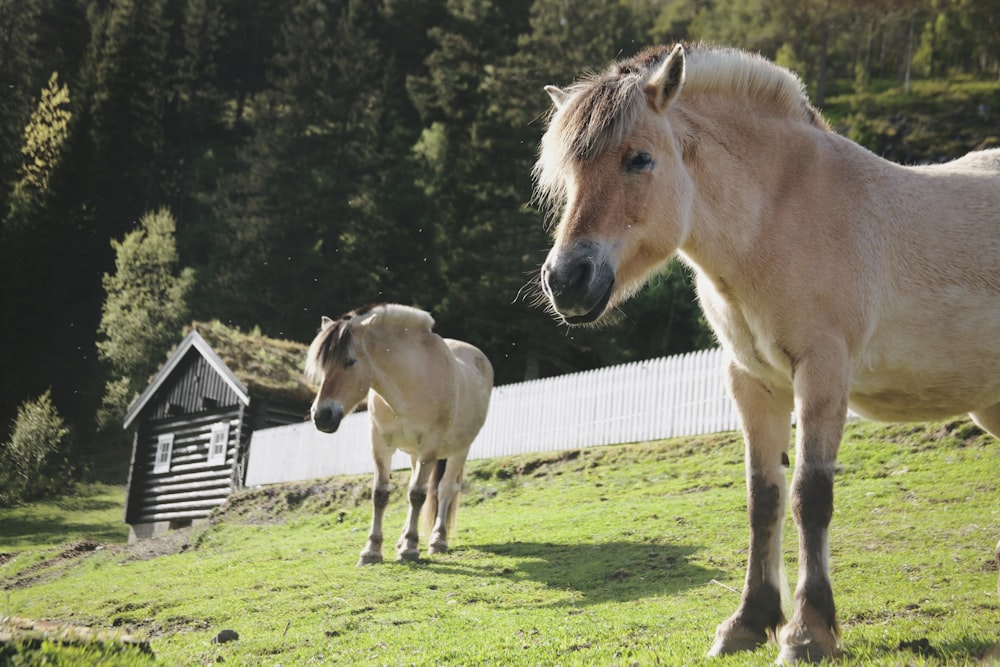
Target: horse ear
<point>667,81</point>
<point>365,320</point>
<point>325,323</point>
<point>557,94</point>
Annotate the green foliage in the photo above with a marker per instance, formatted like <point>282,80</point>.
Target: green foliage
<point>145,309</point>
<point>34,462</point>
<point>317,156</point>
<point>44,137</point>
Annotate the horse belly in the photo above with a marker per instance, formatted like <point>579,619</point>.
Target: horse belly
<point>923,390</point>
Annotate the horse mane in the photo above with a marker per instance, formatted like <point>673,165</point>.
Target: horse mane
<point>602,109</point>
<point>332,344</point>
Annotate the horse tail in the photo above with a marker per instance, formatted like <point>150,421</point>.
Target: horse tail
<point>429,512</point>
<point>449,520</point>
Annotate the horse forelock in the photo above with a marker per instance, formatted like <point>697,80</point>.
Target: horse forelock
<point>601,110</point>
<point>328,347</point>
<point>599,113</point>
<point>332,345</point>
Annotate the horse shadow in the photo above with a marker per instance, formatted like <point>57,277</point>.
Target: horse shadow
<point>600,572</point>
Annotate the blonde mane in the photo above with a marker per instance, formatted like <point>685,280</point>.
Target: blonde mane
<point>333,341</point>
<point>602,109</point>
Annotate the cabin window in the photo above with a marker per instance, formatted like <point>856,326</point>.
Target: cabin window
<point>209,403</point>
<point>217,443</point>
<point>164,450</point>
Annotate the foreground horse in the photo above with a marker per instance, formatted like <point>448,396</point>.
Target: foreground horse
<point>427,396</point>
<point>831,276</point>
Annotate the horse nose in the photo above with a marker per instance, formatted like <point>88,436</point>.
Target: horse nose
<point>578,282</point>
<point>327,416</point>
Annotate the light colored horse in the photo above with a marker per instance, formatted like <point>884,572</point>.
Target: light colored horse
<point>831,276</point>
<point>427,396</point>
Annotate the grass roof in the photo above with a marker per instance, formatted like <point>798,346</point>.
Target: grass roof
<point>269,367</point>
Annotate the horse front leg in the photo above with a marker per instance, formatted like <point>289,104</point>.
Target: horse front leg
<point>372,553</point>
<point>765,416</point>
<point>821,384</point>
<point>408,546</point>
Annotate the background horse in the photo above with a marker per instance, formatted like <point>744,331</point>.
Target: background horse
<point>831,277</point>
<point>427,396</point>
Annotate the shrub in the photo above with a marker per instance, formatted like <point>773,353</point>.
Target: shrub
<point>34,461</point>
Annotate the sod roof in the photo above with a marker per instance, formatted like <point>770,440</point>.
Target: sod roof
<point>269,367</point>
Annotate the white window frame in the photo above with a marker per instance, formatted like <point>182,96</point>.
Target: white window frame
<point>164,452</point>
<point>218,443</point>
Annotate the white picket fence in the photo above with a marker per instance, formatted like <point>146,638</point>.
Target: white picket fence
<point>635,402</point>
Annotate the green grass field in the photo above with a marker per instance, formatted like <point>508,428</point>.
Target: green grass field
<point>625,555</point>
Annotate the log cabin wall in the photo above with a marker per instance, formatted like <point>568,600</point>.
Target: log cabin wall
<point>192,429</point>
<point>192,486</point>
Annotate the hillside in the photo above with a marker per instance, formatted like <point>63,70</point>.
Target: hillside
<point>940,119</point>
<point>627,554</point>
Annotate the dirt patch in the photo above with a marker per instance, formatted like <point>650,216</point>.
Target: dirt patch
<point>50,567</point>
<point>269,504</point>
<point>169,543</point>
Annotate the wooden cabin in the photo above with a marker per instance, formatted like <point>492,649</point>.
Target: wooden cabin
<point>192,424</point>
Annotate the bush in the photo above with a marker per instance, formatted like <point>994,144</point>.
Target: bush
<point>34,462</point>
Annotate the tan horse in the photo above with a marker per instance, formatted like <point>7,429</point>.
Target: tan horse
<point>831,276</point>
<point>427,396</point>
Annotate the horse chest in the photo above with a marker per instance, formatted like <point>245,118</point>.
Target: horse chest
<point>748,335</point>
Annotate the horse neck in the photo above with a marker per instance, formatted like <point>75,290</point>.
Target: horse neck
<point>399,361</point>
<point>740,164</point>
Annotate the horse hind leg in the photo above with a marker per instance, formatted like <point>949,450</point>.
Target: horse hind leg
<point>447,488</point>
<point>988,419</point>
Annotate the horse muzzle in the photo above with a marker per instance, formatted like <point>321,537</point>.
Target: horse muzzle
<point>326,415</point>
<point>578,282</point>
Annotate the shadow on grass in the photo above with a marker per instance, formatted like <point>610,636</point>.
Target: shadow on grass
<point>602,572</point>
<point>47,523</point>
<point>53,532</point>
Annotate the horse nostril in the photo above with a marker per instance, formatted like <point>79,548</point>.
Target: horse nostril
<point>570,279</point>
<point>580,275</point>
<point>327,416</point>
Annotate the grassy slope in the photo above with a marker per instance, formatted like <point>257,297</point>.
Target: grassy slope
<point>939,120</point>
<point>610,555</point>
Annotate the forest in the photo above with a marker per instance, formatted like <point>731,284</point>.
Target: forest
<point>267,162</point>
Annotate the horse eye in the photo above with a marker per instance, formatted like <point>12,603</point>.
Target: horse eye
<point>639,161</point>
<point>350,362</point>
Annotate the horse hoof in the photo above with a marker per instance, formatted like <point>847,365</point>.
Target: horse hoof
<point>408,556</point>
<point>370,558</point>
<point>437,548</point>
<point>811,653</point>
<point>733,637</point>
<point>729,646</point>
